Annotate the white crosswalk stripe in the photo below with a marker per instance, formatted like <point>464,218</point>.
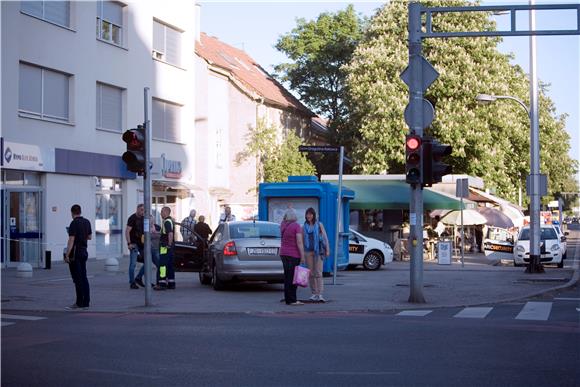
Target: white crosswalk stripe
<point>417,313</point>
<point>533,310</point>
<point>17,317</point>
<point>474,312</point>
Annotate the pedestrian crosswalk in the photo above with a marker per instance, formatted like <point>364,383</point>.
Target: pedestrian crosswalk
<point>558,309</point>
<point>11,319</point>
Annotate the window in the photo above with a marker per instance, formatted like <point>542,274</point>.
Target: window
<point>166,119</point>
<point>109,107</point>
<point>166,43</point>
<point>110,21</point>
<point>43,93</point>
<point>57,12</point>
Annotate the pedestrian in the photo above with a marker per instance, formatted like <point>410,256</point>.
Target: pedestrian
<point>202,228</point>
<point>134,236</point>
<point>166,271</point>
<point>440,227</point>
<point>187,225</point>
<point>227,216</point>
<point>154,232</point>
<point>79,232</point>
<point>479,237</point>
<point>316,249</point>
<point>291,253</point>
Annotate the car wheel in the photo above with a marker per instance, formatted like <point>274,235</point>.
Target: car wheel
<point>561,264</point>
<point>373,260</point>
<point>215,281</point>
<point>204,278</point>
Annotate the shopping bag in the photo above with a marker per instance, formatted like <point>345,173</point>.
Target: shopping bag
<point>301,275</point>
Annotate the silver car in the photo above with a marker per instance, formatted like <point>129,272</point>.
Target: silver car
<point>244,251</point>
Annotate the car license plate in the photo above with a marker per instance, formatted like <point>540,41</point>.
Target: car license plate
<point>262,250</point>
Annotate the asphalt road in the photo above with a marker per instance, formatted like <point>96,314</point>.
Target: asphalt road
<point>308,349</point>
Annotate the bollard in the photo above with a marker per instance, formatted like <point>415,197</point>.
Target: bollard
<point>47,259</point>
<point>112,264</point>
<point>24,270</point>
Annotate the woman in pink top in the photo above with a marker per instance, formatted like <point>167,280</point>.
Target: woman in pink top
<point>292,254</point>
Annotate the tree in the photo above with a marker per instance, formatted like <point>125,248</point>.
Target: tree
<point>277,158</point>
<point>490,142</point>
<point>319,49</point>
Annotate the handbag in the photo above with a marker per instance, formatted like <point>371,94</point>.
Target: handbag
<point>301,275</point>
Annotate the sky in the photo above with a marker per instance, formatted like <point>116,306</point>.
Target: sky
<point>256,26</point>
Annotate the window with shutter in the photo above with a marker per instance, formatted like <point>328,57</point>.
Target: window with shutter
<point>109,107</point>
<point>166,43</point>
<point>166,120</point>
<point>56,12</point>
<point>110,21</point>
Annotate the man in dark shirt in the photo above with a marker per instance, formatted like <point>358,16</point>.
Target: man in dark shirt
<point>134,236</point>
<point>79,231</point>
<point>202,228</point>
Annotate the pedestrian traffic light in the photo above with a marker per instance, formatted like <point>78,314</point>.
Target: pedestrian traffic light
<point>134,157</point>
<point>413,159</point>
<point>433,166</point>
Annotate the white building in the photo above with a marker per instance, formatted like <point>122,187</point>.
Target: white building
<point>72,77</point>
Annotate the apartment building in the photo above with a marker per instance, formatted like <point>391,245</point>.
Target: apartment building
<point>73,76</point>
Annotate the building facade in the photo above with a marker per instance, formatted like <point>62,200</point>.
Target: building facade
<point>73,79</point>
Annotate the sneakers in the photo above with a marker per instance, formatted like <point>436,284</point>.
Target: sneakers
<point>159,287</point>
<point>139,282</point>
<point>171,285</point>
<point>134,285</point>
<point>72,307</point>
<point>321,299</point>
<point>296,303</point>
<point>314,298</point>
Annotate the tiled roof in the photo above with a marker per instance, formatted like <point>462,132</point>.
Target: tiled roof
<point>246,71</point>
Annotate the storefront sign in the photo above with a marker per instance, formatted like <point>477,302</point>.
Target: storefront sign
<point>27,157</point>
<point>163,167</point>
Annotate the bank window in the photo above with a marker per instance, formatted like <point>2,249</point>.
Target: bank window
<point>109,107</point>
<point>43,93</point>
<point>166,119</point>
<point>110,21</point>
<point>166,43</point>
<point>57,12</point>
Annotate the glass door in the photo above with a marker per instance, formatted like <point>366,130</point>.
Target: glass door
<point>22,224</point>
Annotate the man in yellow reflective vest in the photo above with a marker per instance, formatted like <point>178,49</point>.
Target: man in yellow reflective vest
<point>166,271</point>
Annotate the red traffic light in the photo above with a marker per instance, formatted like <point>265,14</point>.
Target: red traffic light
<point>135,139</point>
<point>134,157</point>
<point>413,142</point>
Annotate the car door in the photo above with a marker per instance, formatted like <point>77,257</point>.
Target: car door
<point>189,255</point>
<point>216,245</point>
<point>356,248</point>
<point>499,244</point>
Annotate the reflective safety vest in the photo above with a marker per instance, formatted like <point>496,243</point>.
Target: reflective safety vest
<point>163,249</point>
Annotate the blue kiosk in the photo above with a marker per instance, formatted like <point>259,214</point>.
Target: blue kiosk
<point>302,192</point>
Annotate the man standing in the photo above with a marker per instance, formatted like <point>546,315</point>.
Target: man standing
<point>187,225</point>
<point>166,271</point>
<point>202,228</point>
<point>227,216</point>
<point>134,236</point>
<point>79,231</point>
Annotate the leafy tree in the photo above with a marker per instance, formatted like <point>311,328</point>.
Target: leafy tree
<point>276,158</point>
<point>319,49</point>
<point>491,142</point>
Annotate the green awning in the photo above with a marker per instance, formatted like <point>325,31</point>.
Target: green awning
<point>394,194</point>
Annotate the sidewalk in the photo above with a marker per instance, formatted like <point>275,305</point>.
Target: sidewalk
<point>477,283</point>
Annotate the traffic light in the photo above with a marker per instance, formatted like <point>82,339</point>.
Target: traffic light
<point>413,159</point>
<point>433,166</point>
<point>134,157</point>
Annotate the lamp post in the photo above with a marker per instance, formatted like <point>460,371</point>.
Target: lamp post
<point>534,190</point>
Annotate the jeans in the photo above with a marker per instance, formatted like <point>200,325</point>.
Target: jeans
<point>78,272</point>
<point>289,264</point>
<point>154,259</point>
<point>133,253</point>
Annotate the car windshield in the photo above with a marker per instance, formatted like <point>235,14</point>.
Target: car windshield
<point>546,233</point>
<point>254,230</point>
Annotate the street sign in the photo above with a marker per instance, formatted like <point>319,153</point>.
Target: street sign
<point>427,112</point>
<point>462,188</point>
<point>319,148</point>
<point>428,72</point>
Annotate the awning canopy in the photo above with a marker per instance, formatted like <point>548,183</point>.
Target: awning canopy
<point>391,194</point>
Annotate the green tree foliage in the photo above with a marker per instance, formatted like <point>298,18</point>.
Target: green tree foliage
<point>319,49</point>
<point>491,142</point>
<point>276,158</point>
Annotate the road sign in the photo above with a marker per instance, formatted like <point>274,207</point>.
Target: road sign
<point>319,148</point>
<point>428,72</point>
<point>427,111</point>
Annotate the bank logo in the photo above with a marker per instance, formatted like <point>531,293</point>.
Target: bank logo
<point>8,155</point>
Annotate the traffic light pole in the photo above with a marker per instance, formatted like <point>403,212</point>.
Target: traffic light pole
<point>147,199</point>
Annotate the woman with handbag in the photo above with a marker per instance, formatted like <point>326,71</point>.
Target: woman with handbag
<point>291,253</point>
<point>316,249</point>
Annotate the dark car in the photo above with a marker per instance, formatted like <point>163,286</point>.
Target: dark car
<point>189,255</point>
<point>244,251</point>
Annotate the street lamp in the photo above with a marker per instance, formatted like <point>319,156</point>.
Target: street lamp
<point>535,265</point>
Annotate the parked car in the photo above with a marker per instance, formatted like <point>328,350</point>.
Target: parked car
<point>244,251</point>
<point>550,248</point>
<point>368,252</point>
<point>189,255</point>
<point>563,243</point>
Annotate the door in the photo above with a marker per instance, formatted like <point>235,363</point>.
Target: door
<point>22,222</point>
<point>499,244</point>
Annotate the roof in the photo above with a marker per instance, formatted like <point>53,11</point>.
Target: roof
<point>247,72</point>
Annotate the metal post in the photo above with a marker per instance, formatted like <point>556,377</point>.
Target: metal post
<point>534,266</point>
<point>147,198</point>
<point>462,236</point>
<point>337,245</point>
<point>416,203</point>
